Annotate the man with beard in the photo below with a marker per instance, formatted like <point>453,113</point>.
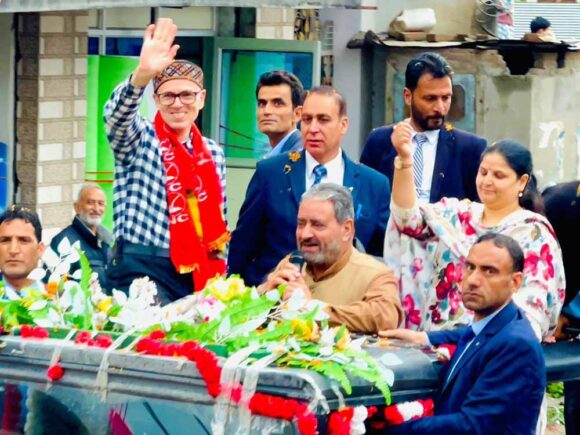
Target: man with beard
<point>360,291</point>
<point>95,240</point>
<point>446,159</point>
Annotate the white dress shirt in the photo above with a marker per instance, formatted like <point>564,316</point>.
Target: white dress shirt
<point>429,153</point>
<point>334,169</point>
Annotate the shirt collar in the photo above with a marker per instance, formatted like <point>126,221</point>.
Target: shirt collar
<point>432,135</point>
<point>278,148</point>
<point>12,294</point>
<point>333,269</point>
<point>311,162</point>
<point>481,324</point>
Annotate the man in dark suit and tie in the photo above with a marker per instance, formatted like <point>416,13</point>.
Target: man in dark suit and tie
<point>266,228</point>
<point>280,95</point>
<point>446,159</point>
<point>496,378</point>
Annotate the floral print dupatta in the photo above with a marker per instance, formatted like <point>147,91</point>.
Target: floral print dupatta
<point>426,248</point>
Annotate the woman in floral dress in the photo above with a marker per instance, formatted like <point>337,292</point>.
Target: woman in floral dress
<point>426,244</point>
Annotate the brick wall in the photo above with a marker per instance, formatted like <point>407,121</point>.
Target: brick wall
<point>275,23</point>
<point>51,110</point>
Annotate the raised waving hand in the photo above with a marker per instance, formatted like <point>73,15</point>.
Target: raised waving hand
<point>157,52</point>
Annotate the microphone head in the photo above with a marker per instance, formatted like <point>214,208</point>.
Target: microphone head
<point>297,258</point>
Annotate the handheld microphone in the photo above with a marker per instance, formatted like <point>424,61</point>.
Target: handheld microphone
<point>297,258</point>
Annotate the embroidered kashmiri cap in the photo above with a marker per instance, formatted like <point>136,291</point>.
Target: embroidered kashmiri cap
<point>179,69</point>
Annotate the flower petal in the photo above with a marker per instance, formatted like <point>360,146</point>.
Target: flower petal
<point>37,274</point>
<point>50,258</point>
<point>63,247</point>
<point>37,305</point>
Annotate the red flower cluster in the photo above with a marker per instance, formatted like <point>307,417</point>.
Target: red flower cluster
<point>339,421</point>
<point>55,372</point>
<point>450,350</point>
<point>394,417</point>
<point>284,409</point>
<point>27,331</point>
<point>207,365</point>
<point>103,340</point>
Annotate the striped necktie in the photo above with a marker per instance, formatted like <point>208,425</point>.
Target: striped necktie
<point>420,140</point>
<point>319,172</point>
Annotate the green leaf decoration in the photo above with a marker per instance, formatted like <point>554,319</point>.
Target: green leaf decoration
<point>85,286</point>
<point>332,370</point>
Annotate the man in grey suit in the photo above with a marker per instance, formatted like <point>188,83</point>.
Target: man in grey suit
<point>280,95</point>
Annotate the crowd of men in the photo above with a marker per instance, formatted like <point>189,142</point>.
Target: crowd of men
<point>306,195</point>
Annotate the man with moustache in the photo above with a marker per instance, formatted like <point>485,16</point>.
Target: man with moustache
<point>169,194</point>
<point>20,251</point>
<point>445,159</point>
<point>280,95</point>
<point>265,232</point>
<point>360,291</point>
<point>496,378</point>
<point>95,240</point>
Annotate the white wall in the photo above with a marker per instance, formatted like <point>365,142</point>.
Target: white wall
<point>453,16</point>
<point>347,67</point>
<point>7,92</point>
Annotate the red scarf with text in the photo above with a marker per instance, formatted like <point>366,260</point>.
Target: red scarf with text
<point>194,196</point>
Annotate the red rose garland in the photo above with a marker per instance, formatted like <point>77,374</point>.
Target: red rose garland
<point>55,372</point>
<point>406,411</point>
<point>339,421</point>
<point>102,341</point>
<point>27,331</point>
<point>207,364</point>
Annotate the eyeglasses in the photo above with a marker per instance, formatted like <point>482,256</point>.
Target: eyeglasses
<point>186,97</point>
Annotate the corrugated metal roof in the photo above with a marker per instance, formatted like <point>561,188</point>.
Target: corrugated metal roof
<point>565,18</point>
<point>60,5</point>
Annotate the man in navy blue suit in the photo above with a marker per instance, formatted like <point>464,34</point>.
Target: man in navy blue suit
<point>446,159</point>
<point>280,95</point>
<point>266,227</point>
<point>496,379</point>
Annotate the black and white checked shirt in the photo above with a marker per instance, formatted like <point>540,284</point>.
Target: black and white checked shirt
<point>140,212</point>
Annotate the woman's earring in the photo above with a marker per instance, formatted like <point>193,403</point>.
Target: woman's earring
<point>520,194</point>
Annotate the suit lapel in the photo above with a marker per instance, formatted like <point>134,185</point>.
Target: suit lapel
<point>351,177</point>
<point>444,153</point>
<point>493,327</point>
<point>297,176</point>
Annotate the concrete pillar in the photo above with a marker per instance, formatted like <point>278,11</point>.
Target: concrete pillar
<point>348,74</point>
<point>51,116</point>
<point>275,23</point>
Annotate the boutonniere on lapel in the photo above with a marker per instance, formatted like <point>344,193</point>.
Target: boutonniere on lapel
<point>294,157</point>
<point>448,127</point>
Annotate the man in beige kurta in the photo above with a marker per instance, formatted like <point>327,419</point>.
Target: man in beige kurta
<point>360,291</point>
